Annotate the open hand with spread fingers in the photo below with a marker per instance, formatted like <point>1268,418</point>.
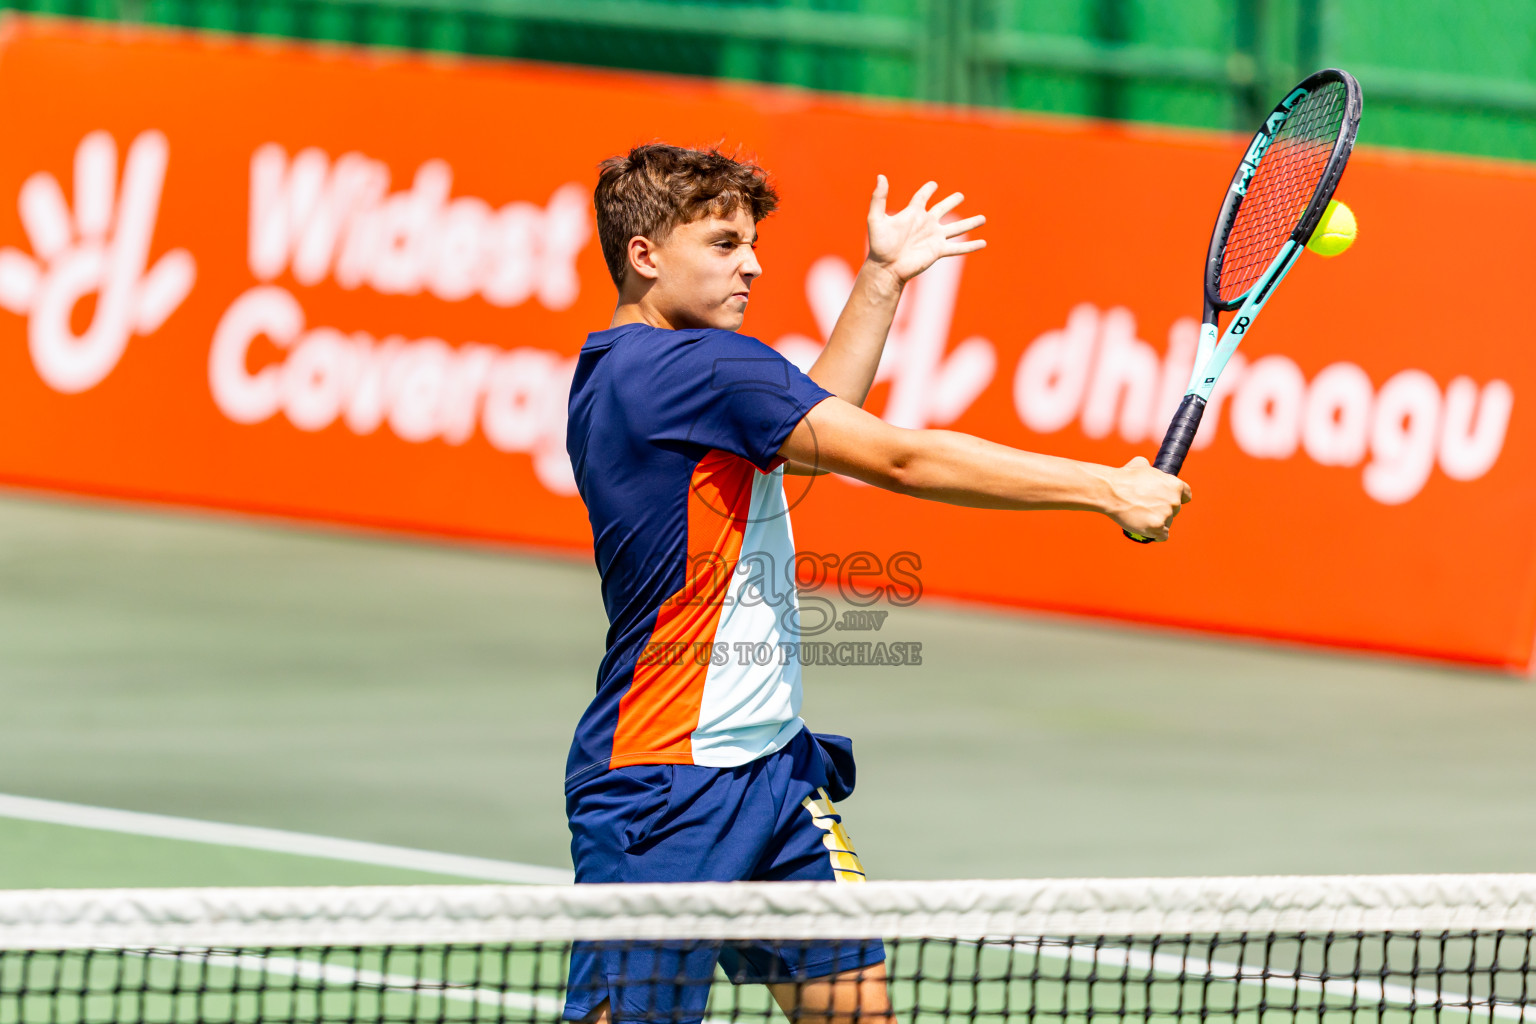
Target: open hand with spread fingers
<point>916,237</point>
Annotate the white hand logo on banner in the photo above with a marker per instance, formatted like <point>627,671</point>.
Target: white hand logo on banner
<point>75,255</point>
<point>931,383</point>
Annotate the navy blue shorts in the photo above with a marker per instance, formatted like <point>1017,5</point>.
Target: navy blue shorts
<point>769,820</point>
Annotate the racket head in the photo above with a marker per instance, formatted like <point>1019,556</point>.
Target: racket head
<point>1283,183</point>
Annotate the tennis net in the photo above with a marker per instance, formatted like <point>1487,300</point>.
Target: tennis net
<point>1389,948</point>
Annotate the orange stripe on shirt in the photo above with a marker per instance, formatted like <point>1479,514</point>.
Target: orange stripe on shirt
<point>660,710</point>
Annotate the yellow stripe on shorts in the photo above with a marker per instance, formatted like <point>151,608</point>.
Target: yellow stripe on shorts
<point>845,861</point>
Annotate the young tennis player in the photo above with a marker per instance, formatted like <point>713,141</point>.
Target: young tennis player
<point>692,763</point>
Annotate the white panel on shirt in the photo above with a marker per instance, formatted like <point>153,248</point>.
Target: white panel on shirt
<point>749,709</point>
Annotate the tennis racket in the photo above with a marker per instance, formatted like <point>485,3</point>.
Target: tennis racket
<point>1283,184</point>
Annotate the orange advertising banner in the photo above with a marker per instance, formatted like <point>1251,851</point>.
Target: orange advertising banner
<point>350,286</point>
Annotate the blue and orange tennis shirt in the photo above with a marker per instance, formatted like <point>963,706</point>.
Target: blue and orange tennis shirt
<point>674,438</point>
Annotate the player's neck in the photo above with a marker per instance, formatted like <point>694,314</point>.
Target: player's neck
<point>638,305</point>
<point>640,312</point>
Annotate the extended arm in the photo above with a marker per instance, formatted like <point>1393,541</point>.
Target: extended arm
<point>959,469</point>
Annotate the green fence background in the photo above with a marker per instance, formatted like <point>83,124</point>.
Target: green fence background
<point>1456,75</point>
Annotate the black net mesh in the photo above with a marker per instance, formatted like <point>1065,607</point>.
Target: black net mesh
<point>1281,188</point>
<point>1463,975</point>
<point>1378,948</point>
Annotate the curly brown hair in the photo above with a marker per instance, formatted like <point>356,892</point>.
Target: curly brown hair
<point>657,187</point>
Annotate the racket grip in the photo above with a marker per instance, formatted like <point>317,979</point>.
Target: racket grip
<point>1181,434</point>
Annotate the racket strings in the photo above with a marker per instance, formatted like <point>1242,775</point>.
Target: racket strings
<point>1283,184</point>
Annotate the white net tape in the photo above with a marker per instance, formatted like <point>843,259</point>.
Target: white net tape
<point>394,915</point>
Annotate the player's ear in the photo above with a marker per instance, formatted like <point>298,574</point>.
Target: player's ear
<point>642,258</point>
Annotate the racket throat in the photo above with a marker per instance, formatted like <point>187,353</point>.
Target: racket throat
<point>1203,352</point>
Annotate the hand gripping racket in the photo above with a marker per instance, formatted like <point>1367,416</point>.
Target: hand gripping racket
<point>1283,184</point>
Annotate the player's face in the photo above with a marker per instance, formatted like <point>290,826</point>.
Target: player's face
<point>705,272</point>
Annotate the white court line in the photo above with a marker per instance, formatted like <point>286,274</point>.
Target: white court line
<point>250,837</point>
<point>1195,969</point>
<point>1176,965</point>
<point>341,975</point>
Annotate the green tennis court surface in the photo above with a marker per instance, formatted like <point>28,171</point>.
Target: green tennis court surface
<point>36,855</point>
<point>423,695</point>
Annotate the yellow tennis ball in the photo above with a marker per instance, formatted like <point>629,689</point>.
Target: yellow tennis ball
<point>1335,232</point>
